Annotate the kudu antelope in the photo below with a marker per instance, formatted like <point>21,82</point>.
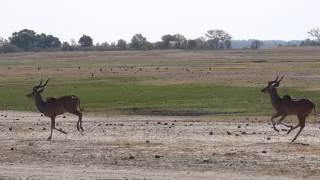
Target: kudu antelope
<point>286,105</point>
<point>56,106</point>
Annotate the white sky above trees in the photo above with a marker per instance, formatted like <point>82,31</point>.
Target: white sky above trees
<point>110,20</point>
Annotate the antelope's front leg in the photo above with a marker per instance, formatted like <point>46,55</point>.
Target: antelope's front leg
<point>274,125</point>
<point>280,121</point>
<point>53,122</point>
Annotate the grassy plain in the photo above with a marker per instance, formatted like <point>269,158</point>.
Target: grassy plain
<point>162,82</point>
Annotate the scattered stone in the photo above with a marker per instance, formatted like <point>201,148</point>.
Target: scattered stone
<point>230,154</point>
<point>237,134</point>
<point>12,149</point>
<point>229,133</point>
<point>254,133</point>
<point>147,141</point>
<point>63,116</point>
<point>239,126</point>
<point>41,115</point>
<point>10,128</point>
<point>31,144</point>
<point>172,124</point>
<point>206,160</point>
<point>210,133</point>
<point>17,119</point>
<point>31,129</point>
<point>243,132</point>
<point>99,124</point>
<point>284,130</point>
<point>131,157</point>
<point>268,138</point>
<point>264,152</point>
<point>157,156</point>
<point>247,124</point>
<point>158,122</point>
<point>44,128</point>
<point>174,120</point>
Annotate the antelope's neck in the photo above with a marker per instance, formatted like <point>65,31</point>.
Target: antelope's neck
<point>40,103</point>
<point>275,98</point>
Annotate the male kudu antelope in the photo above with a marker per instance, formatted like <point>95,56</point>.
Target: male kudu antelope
<point>286,105</point>
<point>56,106</point>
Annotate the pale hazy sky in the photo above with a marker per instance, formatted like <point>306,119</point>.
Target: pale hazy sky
<point>110,20</point>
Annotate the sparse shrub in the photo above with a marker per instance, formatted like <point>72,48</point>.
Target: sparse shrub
<point>8,48</point>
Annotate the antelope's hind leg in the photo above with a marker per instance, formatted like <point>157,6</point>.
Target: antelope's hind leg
<point>301,128</point>
<point>79,123</point>
<point>302,122</point>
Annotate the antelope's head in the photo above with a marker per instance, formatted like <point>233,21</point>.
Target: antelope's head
<point>272,85</point>
<point>37,90</point>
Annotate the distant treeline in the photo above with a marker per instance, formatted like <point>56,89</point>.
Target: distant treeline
<point>28,40</point>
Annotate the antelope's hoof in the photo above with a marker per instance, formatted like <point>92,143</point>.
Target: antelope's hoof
<point>61,130</point>
<point>49,138</point>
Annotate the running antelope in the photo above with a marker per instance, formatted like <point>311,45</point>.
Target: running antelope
<point>286,105</point>
<point>56,106</point>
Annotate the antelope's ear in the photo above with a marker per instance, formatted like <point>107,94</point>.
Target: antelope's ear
<point>276,84</point>
<point>41,90</point>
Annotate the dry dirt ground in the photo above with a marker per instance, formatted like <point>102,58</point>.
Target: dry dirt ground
<point>150,147</point>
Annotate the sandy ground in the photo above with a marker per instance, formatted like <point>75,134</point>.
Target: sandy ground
<point>145,147</point>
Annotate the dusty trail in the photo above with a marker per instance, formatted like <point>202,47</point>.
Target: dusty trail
<point>138,147</point>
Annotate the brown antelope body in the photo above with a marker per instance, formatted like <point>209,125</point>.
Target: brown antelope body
<point>286,105</point>
<point>53,107</point>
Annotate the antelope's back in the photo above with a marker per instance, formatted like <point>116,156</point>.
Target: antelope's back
<point>69,103</point>
<point>300,106</point>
